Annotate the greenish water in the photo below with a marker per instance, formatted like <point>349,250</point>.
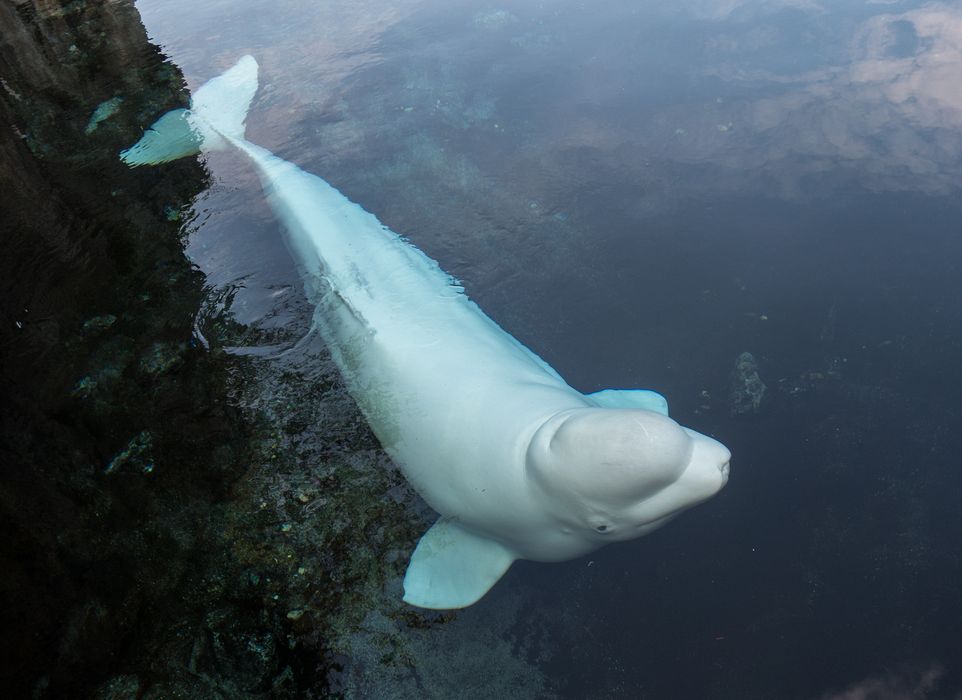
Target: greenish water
<point>641,193</point>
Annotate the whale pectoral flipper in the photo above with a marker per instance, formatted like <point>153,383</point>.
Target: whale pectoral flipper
<point>631,398</point>
<point>453,567</point>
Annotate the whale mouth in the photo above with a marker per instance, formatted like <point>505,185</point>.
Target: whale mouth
<point>724,467</point>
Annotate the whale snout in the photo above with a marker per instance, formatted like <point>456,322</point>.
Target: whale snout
<point>711,459</point>
<point>724,462</point>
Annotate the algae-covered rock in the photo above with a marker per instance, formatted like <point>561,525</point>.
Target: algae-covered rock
<point>137,453</point>
<point>239,649</point>
<point>105,110</point>
<point>161,358</point>
<point>101,565</point>
<point>98,324</point>
<point>124,687</point>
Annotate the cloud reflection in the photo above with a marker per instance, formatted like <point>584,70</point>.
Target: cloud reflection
<point>790,99</point>
<point>892,113</point>
<point>912,61</point>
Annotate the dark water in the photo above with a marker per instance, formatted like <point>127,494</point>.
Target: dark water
<point>640,193</point>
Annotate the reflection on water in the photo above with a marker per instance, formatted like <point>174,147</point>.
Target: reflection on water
<point>641,192</point>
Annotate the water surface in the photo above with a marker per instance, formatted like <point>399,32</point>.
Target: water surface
<point>641,193</point>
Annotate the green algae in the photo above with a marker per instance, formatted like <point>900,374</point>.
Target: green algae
<point>137,453</point>
<point>105,110</point>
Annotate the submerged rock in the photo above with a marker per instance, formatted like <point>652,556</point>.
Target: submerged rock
<point>98,324</point>
<point>747,387</point>
<point>238,650</point>
<point>106,571</point>
<point>162,358</point>
<point>119,688</point>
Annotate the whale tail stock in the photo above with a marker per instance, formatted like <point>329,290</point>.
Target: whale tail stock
<point>216,116</point>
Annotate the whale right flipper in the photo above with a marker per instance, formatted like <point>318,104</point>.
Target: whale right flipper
<point>453,567</point>
<point>631,398</point>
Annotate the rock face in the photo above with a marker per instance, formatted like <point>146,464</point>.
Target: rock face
<point>158,540</point>
<point>747,388</point>
<point>108,462</point>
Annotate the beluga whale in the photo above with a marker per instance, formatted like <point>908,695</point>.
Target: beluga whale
<point>517,463</point>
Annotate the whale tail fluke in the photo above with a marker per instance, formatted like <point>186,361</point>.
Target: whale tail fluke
<point>222,102</point>
<point>217,113</point>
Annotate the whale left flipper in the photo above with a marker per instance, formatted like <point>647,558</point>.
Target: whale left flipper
<point>631,398</point>
<point>453,567</point>
<point>169,138</point>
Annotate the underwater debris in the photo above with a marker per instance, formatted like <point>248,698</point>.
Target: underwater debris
<point>747,387</point>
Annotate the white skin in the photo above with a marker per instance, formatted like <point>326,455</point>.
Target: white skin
<point>489,434</point>
<point>485,430</point>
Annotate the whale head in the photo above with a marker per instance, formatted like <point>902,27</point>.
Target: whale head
<point>611,474</point>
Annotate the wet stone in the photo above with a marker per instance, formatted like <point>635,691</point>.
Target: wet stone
<point>162,358</point>
<point>98,324</point>
<point>84,388</point>
<point>119,688</point>
<point>239,649</point>
<point>137,454</point>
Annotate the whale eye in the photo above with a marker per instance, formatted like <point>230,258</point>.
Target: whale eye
<point>601,528</point>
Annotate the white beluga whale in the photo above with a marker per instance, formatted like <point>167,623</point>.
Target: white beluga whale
<point>518,464</point>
